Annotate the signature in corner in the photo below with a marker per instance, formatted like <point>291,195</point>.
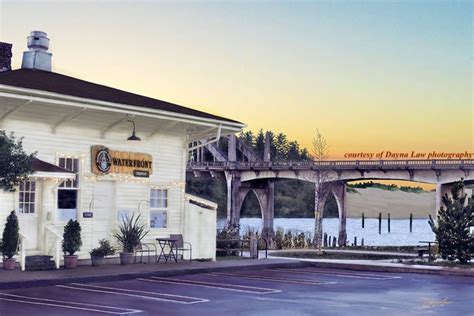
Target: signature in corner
<point>430,303</point>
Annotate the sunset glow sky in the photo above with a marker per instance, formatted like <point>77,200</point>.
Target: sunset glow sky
<point>371,75</point>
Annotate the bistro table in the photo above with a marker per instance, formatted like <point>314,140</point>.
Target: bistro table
<point>429,247</point>
<point>171,243</point>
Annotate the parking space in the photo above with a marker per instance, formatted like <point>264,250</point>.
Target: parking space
<point>282,291</point>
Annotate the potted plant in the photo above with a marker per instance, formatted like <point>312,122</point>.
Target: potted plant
<point>71,243</point>
<point>129,234</point>
<point>11,237</point>
<point>98,253</point>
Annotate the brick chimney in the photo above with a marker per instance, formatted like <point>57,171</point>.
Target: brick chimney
<point>5,57</point>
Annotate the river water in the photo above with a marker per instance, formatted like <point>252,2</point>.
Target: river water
<point>399,229</point>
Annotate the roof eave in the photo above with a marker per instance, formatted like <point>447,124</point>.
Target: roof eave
<point>43,96</point>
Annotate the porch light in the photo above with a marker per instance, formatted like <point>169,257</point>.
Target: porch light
<point>133,137</point>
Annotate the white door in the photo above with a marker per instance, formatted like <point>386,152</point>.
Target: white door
<point>103,208</point>
<point>28,210</point>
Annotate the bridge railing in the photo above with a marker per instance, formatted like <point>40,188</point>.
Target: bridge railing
<point>447,163</point>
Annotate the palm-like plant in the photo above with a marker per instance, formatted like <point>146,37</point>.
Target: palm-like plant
<point>130,233</point>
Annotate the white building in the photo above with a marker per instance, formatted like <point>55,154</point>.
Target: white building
<point>88,170</point>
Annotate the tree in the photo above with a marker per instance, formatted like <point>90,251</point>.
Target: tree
<point>281,147</point>
<point>321,177</point>
<point>10,236</point>
<point>452,228</point>
<point>15,164</point>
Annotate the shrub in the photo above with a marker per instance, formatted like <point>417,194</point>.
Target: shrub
<point>278,239</point>
<point>226,237</point>
<point>130,233</point>
<point>11,236</point>
<point>72,241</point>
<point>104,249</point>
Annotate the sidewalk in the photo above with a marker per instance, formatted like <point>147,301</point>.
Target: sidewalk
<point>116,272</point>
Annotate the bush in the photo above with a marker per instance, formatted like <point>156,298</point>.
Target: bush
<point>278,239</point>
<point>11,236</point>
<point>72,241</point>
<point>226,237</point>
<point>104,249</point>
<point>130,233</point>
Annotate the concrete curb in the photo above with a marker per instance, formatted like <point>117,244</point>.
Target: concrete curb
<point>393,268</point>
<point>134,275</point>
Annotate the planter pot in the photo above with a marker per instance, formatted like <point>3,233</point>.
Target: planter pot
<point>126,258</point>
<point>9,264</point>
<point>70,262</point>
<point>97,261</point>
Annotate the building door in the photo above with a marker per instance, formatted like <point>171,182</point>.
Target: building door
<point>103,208</point>
<point>28,216</point>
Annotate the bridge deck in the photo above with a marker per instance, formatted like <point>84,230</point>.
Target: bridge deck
<point>336,165</point>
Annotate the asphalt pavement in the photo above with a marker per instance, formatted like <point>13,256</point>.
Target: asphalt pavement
<point>274,291</point>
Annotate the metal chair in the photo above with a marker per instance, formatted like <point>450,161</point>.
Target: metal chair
<point>182,246</point>
<point>147,248</point>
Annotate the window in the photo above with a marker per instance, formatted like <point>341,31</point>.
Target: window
<point>158,198</point>
<point>27,197</point>
<point>68,191</point>
<point>158,208</point>
<point>71,164</point>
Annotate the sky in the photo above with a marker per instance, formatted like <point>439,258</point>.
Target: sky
<point>372,76</point>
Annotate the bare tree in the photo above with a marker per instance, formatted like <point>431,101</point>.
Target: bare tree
<point>322,177</point>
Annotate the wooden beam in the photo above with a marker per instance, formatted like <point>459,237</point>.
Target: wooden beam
<point>163,128</point>
<point>13,110</point>
<point>67,118</point>
<point>116,123</point>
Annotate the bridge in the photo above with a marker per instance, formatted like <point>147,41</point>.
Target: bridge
<point>258,175</point>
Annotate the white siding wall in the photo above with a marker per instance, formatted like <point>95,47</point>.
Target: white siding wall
<point>169,158</point>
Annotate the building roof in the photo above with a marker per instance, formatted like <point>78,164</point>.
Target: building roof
<point>38,165</point>
<point>65,85</point>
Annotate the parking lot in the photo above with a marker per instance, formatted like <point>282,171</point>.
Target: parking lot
<point>301,291</point>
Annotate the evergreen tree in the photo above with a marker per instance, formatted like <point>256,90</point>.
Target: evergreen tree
<point>453,224</point>
<point>293,153</point>
<point>15,164</point>
<point>281,147</point>
<point>259,143</point>
<point>10,236</point>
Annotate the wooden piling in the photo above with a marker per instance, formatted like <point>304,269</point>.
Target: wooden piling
<point>388,222</point>
<point>380,223</point>
<point>411,222</point>
<point>362,242</point>
<point>355,241</point>
<point>363,220</point>
<point>325,243</point>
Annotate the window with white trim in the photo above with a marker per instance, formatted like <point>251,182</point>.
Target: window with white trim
<point>68,190</point>
<point>27,197</point>
<point>158,208</point>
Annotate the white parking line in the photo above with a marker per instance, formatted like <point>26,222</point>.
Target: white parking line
<point>228,287</point>
<point>271,279</point>
<point>366,276</point>
<point>179,299</point>
<point>79,306</point>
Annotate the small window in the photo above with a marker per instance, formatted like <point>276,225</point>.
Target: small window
<point>27,197</point>
<point>158,198</point>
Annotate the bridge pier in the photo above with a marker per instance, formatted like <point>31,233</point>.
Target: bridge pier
<point>441,190</point>
<point>338,190</point>
<point>266,199</point>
